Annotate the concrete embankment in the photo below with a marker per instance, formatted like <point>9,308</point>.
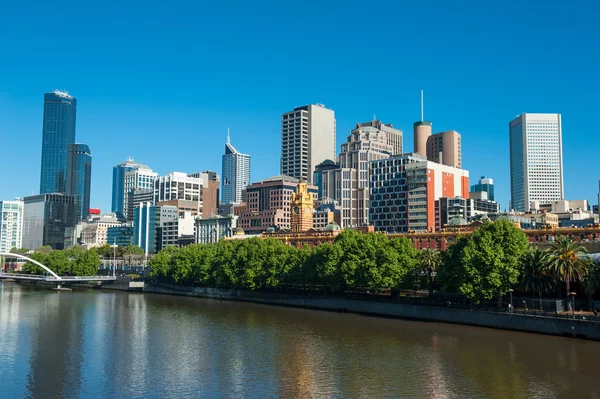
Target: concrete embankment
<point>541,325</point>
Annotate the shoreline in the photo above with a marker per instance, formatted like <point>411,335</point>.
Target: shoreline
<point>582,329</point>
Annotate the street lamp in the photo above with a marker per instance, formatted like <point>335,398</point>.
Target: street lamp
<point>114,257</point>
<point>573,301</point>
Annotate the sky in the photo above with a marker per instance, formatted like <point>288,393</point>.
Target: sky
<point>162,81</point>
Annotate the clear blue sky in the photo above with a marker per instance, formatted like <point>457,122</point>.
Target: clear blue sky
<point>162,81</point>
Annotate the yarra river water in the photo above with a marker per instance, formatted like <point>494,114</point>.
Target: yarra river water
<point>91,344</point>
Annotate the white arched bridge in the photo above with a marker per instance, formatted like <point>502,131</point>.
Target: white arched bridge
<point>51,276</point>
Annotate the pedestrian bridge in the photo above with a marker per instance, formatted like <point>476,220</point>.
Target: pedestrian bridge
<point>51,276</point>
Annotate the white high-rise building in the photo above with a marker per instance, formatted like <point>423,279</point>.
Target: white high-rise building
<point>307,139</point>
<point>178,186</point>
<point>536,169</point>
<point>140,178</point>
<point>11,225</point>
<point>235,174</point>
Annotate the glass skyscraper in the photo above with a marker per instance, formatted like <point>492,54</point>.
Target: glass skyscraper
<point>236,174</point>
<point>58,132</point>
<point>118,205</point>
<point>484,185</point>
<point>79,176</point>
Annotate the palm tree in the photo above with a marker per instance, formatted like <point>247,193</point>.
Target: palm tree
<point>429,260</point>
<point>569,262</point>
<point>535,276</point>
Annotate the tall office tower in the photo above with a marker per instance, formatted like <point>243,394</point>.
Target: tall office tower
<point>178,186</point>
<point>139,178</point>
<point>210,192</point>
<point>118,205</point>
<point>445,148</point>
<point>349,184</point>
<point>45,219</point>
<point>11,225</point>
<point>484,189</point>
<point>307,139</point>
<point>148,221</point>
<point>58,132</point>
<point>536,170</point>
<point>394,136</point>
<point>79,178</point>
<point>235,173</point>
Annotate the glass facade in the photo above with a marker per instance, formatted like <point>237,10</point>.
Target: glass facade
<point>79,177</point>
<point>58,132</point>
<point>236,175</point>
<point>119,235</point>
<point>485,185</point>
<point>118,205</point>
<point>45,219</point>
<point>11,225</point>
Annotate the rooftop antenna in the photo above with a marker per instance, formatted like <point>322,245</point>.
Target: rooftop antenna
<point>374,117</point>
<point>422,107</point>
<point>228,136</point>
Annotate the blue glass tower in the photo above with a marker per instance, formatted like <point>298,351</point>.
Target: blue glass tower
<point>79,177</point>
<point>236,174</point>
<point>118,186</point>
<point>58,132</point>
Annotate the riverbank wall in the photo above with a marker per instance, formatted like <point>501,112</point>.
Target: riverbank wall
<point>507,321</point>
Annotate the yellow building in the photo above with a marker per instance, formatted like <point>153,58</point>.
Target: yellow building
<point>302,209</point>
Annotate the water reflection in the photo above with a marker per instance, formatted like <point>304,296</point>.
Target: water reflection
<point>104,345</point>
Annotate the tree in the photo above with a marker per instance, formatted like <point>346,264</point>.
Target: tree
<point>535,276</point>
<point>32,268</point>
<point>591,282</point>
<point>486,264</point>
<point>85,264</point>
<point>569,262</point>
<point>429,260</point>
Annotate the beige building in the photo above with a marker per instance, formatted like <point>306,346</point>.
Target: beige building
<point>307,139</point>
<point>95,232</point>
<point>445,148</point>
<point>421,133</point>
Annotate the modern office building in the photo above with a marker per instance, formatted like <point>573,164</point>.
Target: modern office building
<point>269,204</point>
<point>326,165</point>
<point>46,217</point>
<point>445,148</point>
<point>307,139</point>
<point>148,223</point>
<point>79,178</point>
<point>484,189</point>
<point>421,133</point>
<point>451,211</point>
<point>349,184</point>
<point>120,236</point>
<point>173,229</point>
<point>210,192</point>
<point>118,204</point>
<point>214,229</point>
<point>235,173</point>
<point>403,191</point>
<point>394,136</point>
<point>178,186</point>
<point>536,169</point>
<point>137,197</point>
<point>139,178</point>
<point>58,132</point>
<point>11,225</point>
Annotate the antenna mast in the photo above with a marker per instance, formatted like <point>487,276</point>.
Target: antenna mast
<point>228,136</point>
<point>422,107</point>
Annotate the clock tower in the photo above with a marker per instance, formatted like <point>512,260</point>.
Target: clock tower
<point>302,209</point>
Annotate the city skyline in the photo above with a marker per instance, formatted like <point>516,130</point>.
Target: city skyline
<point>120,114</point>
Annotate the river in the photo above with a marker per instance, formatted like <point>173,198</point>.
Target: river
<point>97,344</point>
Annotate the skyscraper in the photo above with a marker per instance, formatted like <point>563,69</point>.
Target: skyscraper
<point>349,184</point>
<point>236,174</point>
<point>57,133</point>
<point>307,139</point>
<point>139,178</point>
<point>11,225</point>
<point>536,170</point>
<point>484,189</point>
<point>45,219</point>
<point>79,177</point>
<point>118,204</point>
<point>445,148</point>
